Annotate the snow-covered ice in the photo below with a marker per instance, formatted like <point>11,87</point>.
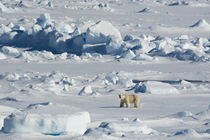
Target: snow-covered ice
<point>73,124</point>
<point>64,63</point>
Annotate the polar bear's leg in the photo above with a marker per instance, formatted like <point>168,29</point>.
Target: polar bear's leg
<point>121,104</point>
<point>127,104</point>
<point>136,104</point>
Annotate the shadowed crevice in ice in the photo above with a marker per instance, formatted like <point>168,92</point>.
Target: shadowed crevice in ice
<point>56,134</point>
<point>10,99</point>
<point>38,104</point>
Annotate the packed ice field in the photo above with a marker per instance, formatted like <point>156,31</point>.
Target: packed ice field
<point>64,63</point>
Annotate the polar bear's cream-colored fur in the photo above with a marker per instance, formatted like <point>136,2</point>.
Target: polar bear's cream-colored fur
<point>127,99</point>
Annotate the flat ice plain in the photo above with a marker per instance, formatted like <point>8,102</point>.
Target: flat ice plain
<point>63,64</point>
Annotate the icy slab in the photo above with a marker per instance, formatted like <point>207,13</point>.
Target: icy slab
<point>154,87</point>
<point>181,114</point>
<point>49,119</point>
<point>86,90</point>
<point>72,124</point>
<point>102,32</point>
<point>4,112</point>
<point>128,54</point>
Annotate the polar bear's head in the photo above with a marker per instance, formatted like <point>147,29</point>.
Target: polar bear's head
<point>122,96</point>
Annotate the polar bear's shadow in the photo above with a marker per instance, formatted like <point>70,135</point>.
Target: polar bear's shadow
<point>107,107</point>
<point>112,107</point>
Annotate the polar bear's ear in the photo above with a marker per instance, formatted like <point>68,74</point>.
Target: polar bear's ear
<point>119,96</point>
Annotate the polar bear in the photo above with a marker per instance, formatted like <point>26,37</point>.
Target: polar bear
<point>127,99</point>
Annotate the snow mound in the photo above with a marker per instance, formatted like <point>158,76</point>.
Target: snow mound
<point>185,85</point>
<point>12,76</point>
<point>2,56</point>
<point>37,55</point>
<point>102,32</point>
<point>86,90</point>
<point>114,78</point>
<point>128,127</point>
<point>154,87</point>
<point>204,115</point>
<point>3,9</point>
<point>179,49</point>
<point>121,129</point>
<point>71,124</point>
<point>188,132</point>
<point>202,23</point>
<point>128,54</point>
<point>10,51</point>
<point>55,82</point>
<point>182,114</point>
<point>139,57</point>
<point>143,57</point>
<point>44,20</point>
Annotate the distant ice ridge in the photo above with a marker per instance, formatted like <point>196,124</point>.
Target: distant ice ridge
<point>50,36</point>
<point>102,38</point>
